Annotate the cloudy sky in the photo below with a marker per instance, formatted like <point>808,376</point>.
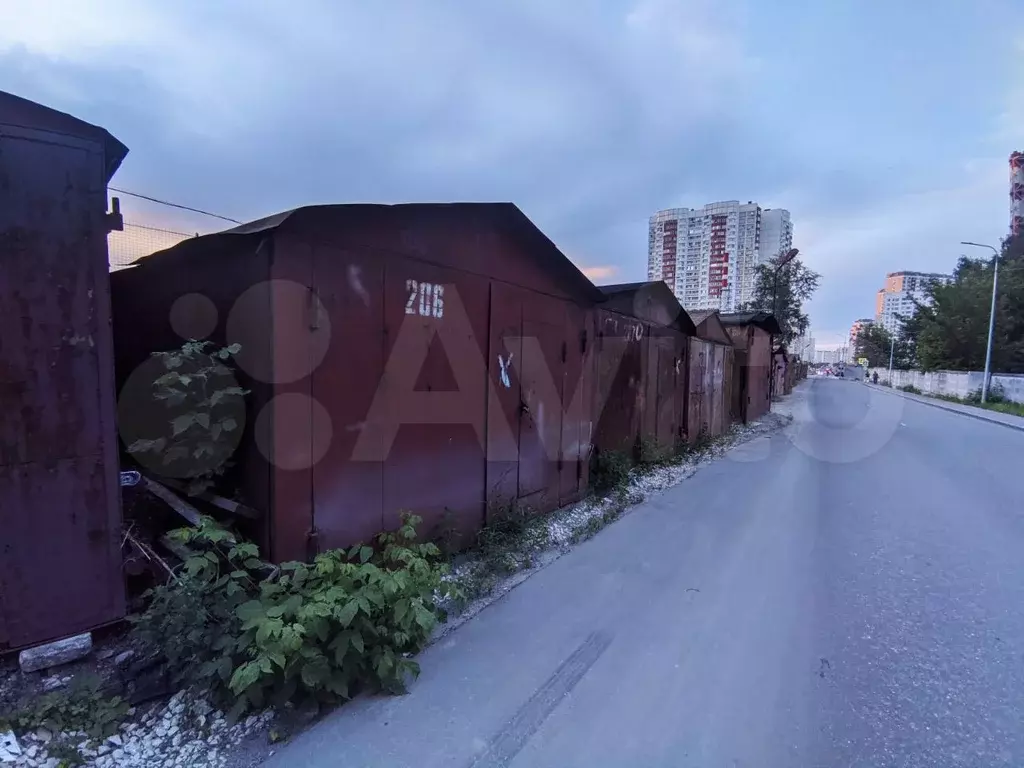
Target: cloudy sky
<point>884,127</point>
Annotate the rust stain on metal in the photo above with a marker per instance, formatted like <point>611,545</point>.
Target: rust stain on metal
<point>620,380</point>
<point>449,364</point>
<point>709,388</point>
<point>59,491</point>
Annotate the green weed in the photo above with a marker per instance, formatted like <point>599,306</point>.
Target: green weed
<point>308,634</point>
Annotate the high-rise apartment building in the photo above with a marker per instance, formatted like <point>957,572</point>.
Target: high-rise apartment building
<point>803,347</point>
<point>776,233</point>
<point>708,255</point>
<point>897,299</point>
<point>1016,193</point>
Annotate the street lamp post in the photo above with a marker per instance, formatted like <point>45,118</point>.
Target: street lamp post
<point>892,352</point>
<point>991,316</point>
<point>783,260</point>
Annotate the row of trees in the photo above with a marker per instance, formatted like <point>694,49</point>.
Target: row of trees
<point>950,331</point>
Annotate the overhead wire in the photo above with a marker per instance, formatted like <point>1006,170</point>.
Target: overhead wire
<point>173,205</point>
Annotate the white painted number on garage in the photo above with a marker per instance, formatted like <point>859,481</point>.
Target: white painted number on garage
<point>425,299</point>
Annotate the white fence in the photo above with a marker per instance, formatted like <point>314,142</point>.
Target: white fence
<point>956,383</point>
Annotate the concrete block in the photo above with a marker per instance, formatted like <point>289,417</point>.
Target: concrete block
<point>56,653</point>
<point>10,750</point>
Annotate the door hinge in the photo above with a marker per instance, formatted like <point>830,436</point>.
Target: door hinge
<point>315,309</point>
<point>313,543</point>
<point>114,219</point>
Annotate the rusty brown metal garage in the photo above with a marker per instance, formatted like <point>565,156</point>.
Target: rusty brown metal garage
<point>60,553</point>
<point>710,402</point>
<point>710,376</point>
<point>752,333</point>
<point>424,357</point>
<point>642,352</point>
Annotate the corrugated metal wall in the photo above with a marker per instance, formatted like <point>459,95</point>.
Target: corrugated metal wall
<point>404,375</point>
<point>60,555</point>
<point>753,363</point>
<point>620,382</point>
<point>709,388</point>
<point>758,373</point>
<point>452,410</point>
<point>667,389</point>
<point>641,385</point>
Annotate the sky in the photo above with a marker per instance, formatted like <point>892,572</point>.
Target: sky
<point>884,127</point>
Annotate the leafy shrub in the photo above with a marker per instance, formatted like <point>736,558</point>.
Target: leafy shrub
<point>205,410</point>
<point>65,753</point>
<point>512,536</point>
<point>609,469</point>
<point>652,453</point>
<point>704,441</point>
<point>911,389</point>
<point>83,706</point>
<point>506,527</point>
<point>995,395</point>
<point>307,633</point>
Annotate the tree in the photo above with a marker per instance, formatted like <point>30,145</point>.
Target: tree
<point>906,342</point>
<point>796,284</point>
<point>876,344</point>
<point>950,330</point>
<point>873,343</point>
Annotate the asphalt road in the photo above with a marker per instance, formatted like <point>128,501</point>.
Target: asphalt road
<point>847,593</point>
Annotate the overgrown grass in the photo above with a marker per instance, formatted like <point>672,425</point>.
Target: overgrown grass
<point>509,542</point>
<point>84,706</point>
<point>995,400</point>
<point>1014,409</point>
<point>609,469</point>
<point>911,389</point>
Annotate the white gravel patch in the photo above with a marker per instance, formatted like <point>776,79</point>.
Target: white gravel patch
<point>184,732</point>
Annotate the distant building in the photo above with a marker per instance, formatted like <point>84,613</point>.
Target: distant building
<point>708,255</point>
<point>804,347</point>
<point>1016,193</point>
<point>897,299</point>
<point>776,233</point>
<point>829,356</point>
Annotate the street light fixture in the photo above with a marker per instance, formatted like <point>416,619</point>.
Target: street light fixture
<point>782,261</point>
<point>991,315</point>
<point>788,256</point>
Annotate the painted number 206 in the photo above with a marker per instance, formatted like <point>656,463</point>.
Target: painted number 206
<point>426,299</point>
